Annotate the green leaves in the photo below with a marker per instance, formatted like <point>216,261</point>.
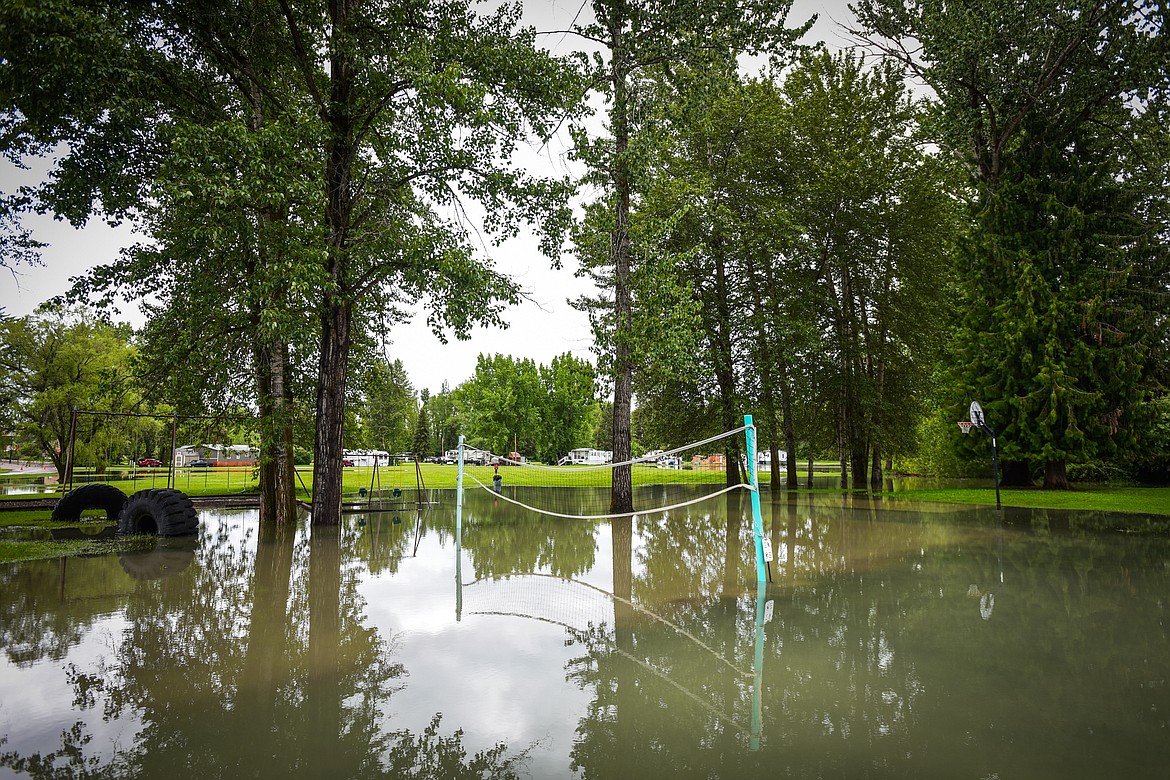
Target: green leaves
<point>540,411</point>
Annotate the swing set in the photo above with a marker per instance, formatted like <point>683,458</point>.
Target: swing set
<point>377,498</point>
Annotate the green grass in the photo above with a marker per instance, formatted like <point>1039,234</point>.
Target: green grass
<point>198,482</point>
<point>39,518</point>
<point>1145,500</point>
<point>41,550</point>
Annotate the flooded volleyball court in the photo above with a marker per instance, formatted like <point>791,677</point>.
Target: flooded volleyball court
<point>894,640</point>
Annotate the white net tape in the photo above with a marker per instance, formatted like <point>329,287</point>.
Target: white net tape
<point>661,481</point>
<point>612,515</point>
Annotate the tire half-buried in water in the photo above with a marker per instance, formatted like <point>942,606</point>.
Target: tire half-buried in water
<point>95,495</point>
<point>161,511</point>
<point>169,556</point>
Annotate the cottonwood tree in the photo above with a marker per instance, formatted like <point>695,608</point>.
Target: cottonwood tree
<point>808,230</point>
<point>58,360</point>
<point>634,38</point>
<point>873,215</point>
<point>378,119</point>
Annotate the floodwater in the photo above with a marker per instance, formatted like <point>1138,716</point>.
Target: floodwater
<point>894,641</point>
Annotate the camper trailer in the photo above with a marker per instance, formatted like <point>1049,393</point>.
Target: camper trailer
<point>587,456</point>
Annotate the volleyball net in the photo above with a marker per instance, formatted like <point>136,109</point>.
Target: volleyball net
<point>579,485</point>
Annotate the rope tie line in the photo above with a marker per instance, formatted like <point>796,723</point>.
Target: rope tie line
<point>634,461</point>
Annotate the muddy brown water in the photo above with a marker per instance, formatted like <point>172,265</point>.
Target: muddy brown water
<point>894,641</point>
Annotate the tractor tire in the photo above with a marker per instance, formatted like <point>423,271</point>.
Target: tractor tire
<point>159,511</point>
<point>95,495</point>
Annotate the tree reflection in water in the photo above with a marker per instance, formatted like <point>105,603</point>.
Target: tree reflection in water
<point>220,678</point>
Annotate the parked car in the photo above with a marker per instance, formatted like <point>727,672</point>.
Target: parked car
<point>149,462</point>
<point>346,462</point>
<point>201,464</point>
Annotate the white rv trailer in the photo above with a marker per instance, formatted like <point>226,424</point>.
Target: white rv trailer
<point>587,456</point>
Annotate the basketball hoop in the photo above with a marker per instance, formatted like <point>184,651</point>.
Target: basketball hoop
<point>965,426</point>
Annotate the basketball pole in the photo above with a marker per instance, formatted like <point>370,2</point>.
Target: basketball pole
<point>979,419</point>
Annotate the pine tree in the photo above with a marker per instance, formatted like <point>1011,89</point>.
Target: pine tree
<point>422,435</point>
<point>1050,343</point>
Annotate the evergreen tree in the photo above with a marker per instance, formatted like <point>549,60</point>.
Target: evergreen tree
<point>422,434</point>
<point>1052,109</point>
<point>1053,344</point>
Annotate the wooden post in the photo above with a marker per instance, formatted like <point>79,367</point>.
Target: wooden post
<point>171,467</point>
<point>69,452</point>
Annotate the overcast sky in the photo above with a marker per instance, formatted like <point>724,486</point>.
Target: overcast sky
<point>540,328</point>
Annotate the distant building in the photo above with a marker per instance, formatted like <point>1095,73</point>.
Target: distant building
<point>367,457</point>
<point>765,459</point>
<point>714,461</point>
<point>217,454</point>
<point>587,456</point>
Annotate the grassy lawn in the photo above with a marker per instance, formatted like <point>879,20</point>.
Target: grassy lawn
<point>40,518</point>
<point>1147,500</point>
<point>198,482</point>
<point>1151,501</point>
<point>57,548</point>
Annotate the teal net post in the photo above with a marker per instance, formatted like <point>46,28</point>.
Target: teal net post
<point>459,499</point>
<point>459,535</point>
<point>762,554</point>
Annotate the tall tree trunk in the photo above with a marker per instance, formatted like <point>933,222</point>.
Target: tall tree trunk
<point>330,450</point>
<point>1055,476</point>
<point>277,470</point>
<point>723,359</point>
<point>277,476</point>
<point>337,309</point>
<point>843,447</point>
<point>768,398</point>
<point>622,490</point>
<point>286,475</point>
<point>859,460</point>
<point>875,474</point>
<point>267,467</point>
<point>789,433</point>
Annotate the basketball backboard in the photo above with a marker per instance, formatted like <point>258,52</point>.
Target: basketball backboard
<point>976,414</point>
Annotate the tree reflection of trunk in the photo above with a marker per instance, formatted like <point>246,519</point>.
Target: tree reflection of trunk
<point>625,695</point>
<point>775,534</point>
<point>622,530</point>
<point>727,688</point>
<point>265,669</point>
<point>793,529</point>
<point>732,544</point>
<point>324,692</point>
